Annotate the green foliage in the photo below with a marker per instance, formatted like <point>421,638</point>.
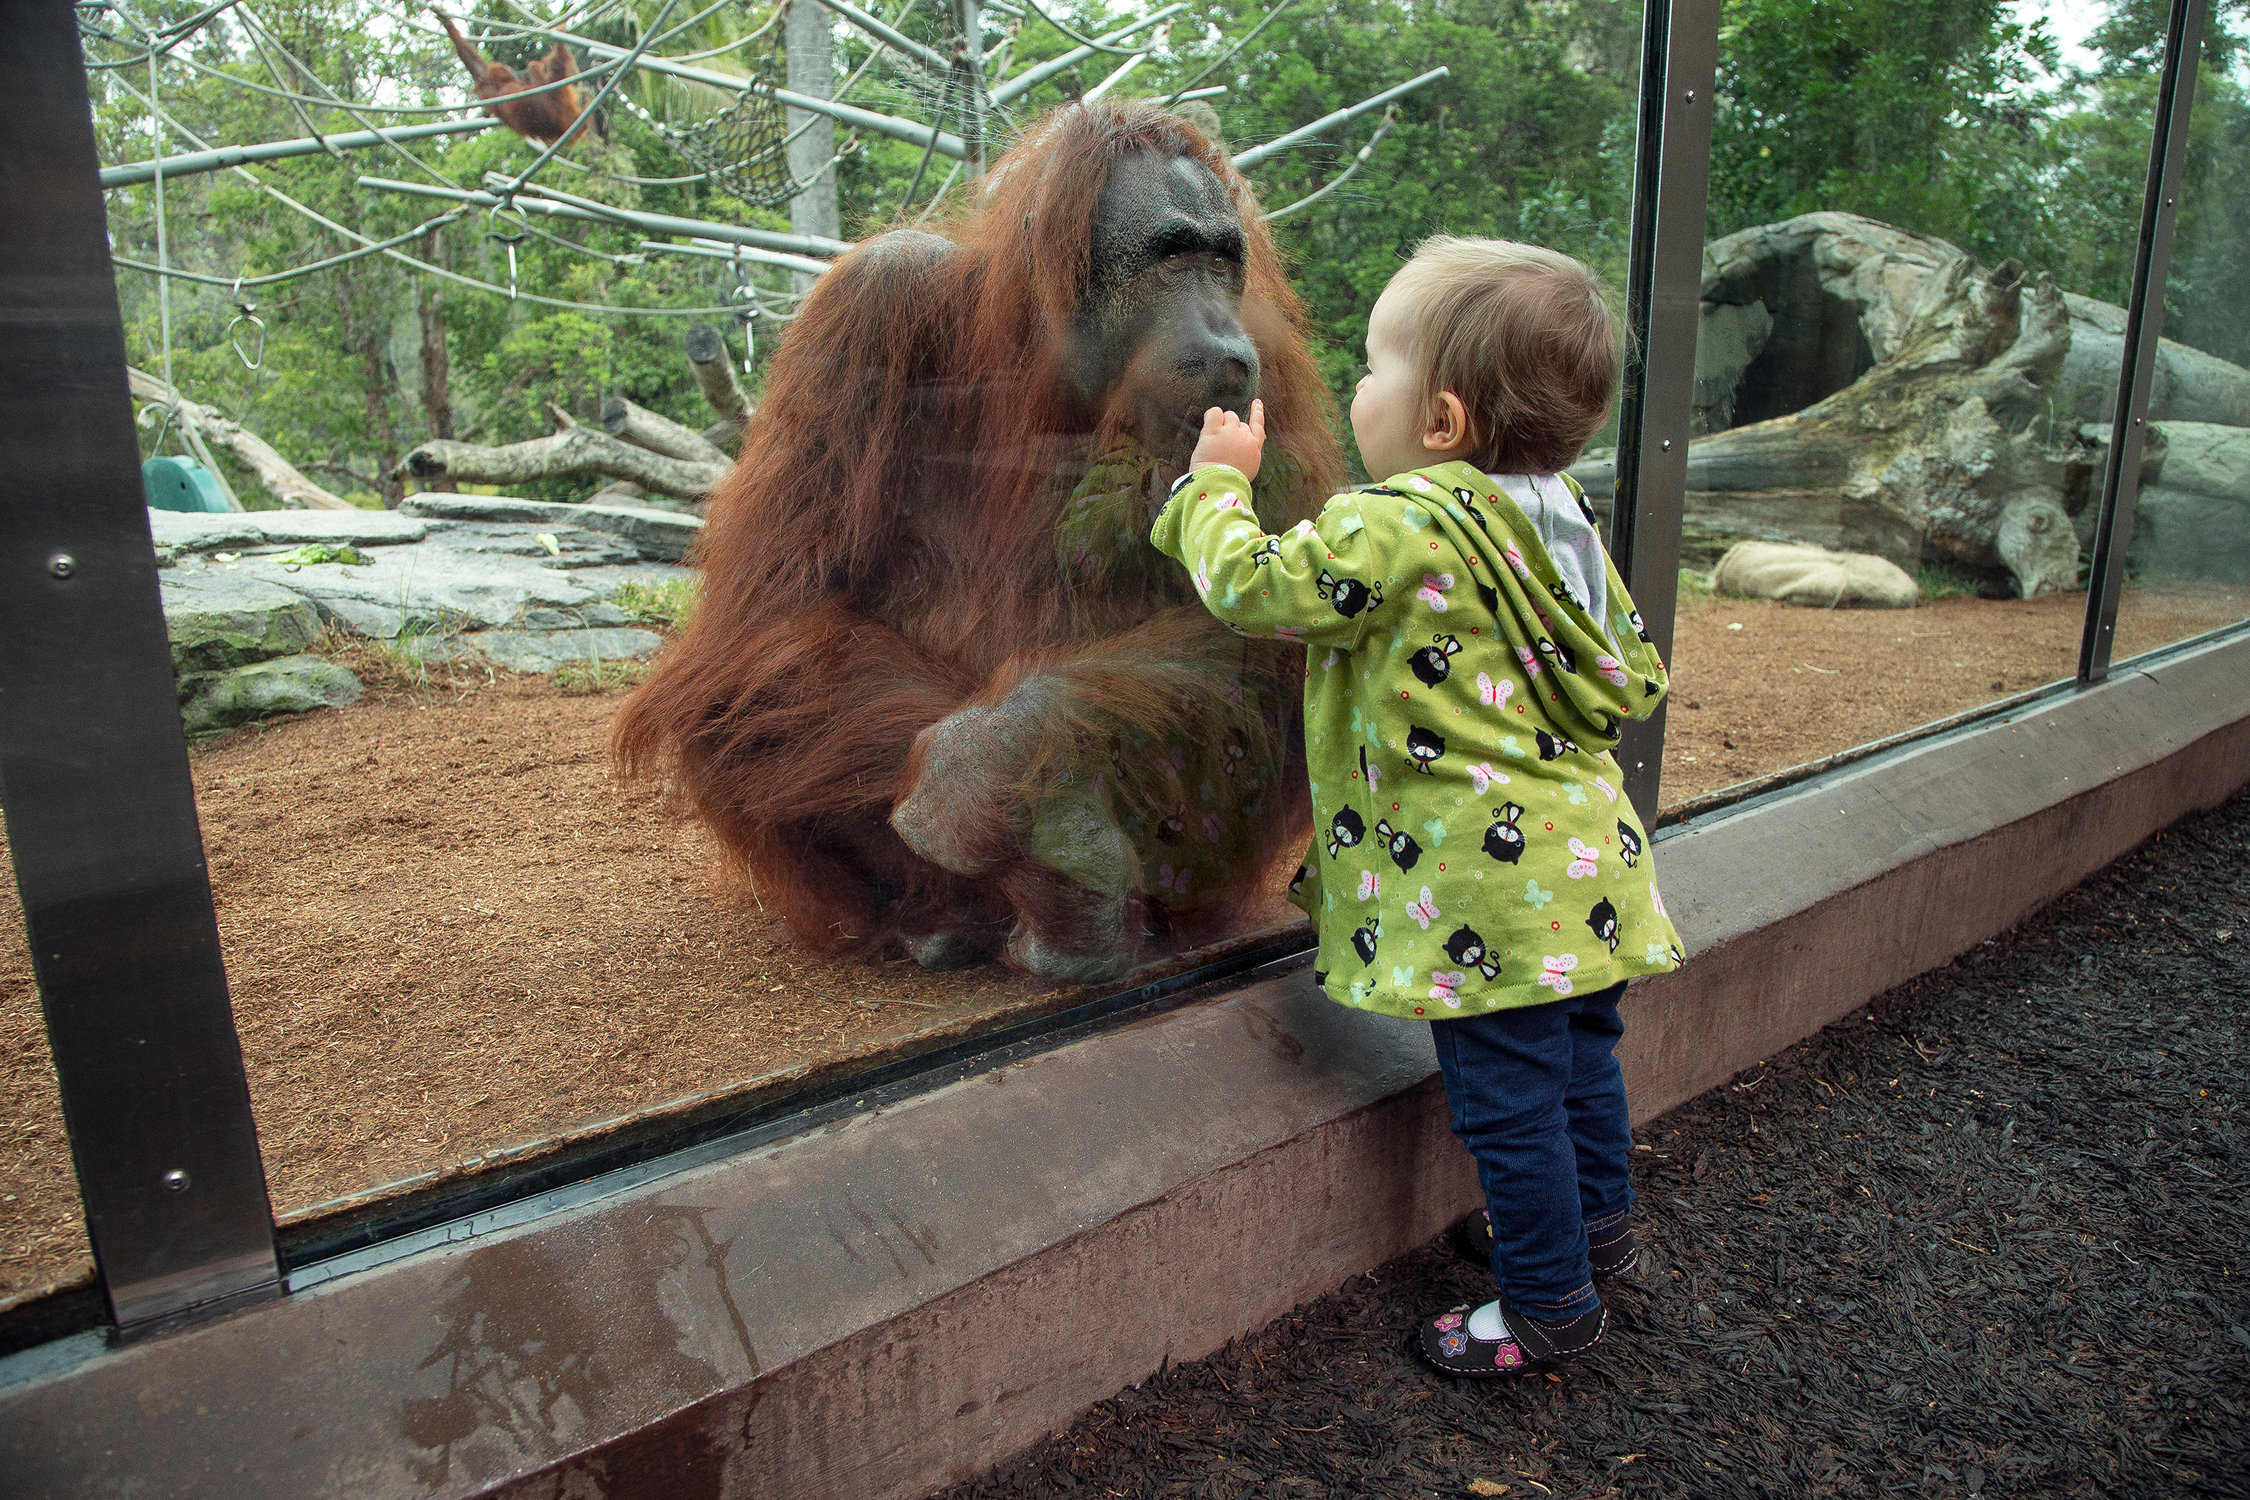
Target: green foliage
<point>667,603</point>
<point>321,552</point>
<point>1948,117</point>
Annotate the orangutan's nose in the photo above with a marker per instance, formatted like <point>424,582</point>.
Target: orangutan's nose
<point>1225,363</point>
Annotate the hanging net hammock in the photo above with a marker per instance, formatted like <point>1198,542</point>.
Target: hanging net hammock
<point>745,149</point>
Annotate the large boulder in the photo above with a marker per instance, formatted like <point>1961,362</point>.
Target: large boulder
<point>1812,576</point>
<point>220,620</point>
<point>545,650</point>
<point>183,532</point>
<point>212,702</point>
<point>399,590</point>
<point>2193,516</point>
<point>1797,310</point>
<point>1865,389</point>
<point>660,534</point>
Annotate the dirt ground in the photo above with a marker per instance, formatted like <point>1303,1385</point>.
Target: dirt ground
<point>1793,685</point>
<point>450,933</point>
<point>1985,1238</point>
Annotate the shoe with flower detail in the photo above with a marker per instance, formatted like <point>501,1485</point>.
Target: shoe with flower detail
<point>1487,1342</point>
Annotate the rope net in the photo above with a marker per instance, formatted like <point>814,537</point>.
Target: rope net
<point>745,149</point>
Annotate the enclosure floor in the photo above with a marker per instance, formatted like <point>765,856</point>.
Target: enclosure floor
<point>1793,685</point>
<point>1987,1236</point>
<point>449,930</point>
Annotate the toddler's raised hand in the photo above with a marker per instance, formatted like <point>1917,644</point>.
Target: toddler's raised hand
<point>1229,440</point>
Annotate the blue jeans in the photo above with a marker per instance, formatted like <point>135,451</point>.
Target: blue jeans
<point>1539,1100</point>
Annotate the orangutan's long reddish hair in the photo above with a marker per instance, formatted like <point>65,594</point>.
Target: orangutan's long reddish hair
<point>884,551</point>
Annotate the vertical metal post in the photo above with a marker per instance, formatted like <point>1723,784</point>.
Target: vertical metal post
<point>93,767</point>
<point>1663,303</point>
<point>2144,324</point>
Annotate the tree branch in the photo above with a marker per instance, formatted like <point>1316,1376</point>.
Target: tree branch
<point>276,473</point>
<point>577,449</point>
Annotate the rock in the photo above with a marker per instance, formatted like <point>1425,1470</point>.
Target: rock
<point>221,620</point>
<point>442,506</point>
<point>1839,290</point>
<point>575,546</point>
<point>215,701</point>
<point>1813,576</point>
<point>2180,534</point>
<point>2186,385</point>
<point>660,534</point>
<point>545,650</point>
<point>2204,458</point>
<point>433,589</point>
<point>283,528</point>
<point>2038,545</point>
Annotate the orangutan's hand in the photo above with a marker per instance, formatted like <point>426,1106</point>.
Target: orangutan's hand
<point>1229,440</point>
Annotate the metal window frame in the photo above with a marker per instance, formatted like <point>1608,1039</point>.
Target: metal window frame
<point>1663,307</point>
<point>93,769</point>
<point>93,762</point>
<point>2144,327</point>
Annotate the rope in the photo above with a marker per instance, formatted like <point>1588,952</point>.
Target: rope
<point>1227,56</point>
<point>407,260</point>
<point>1390,118</point>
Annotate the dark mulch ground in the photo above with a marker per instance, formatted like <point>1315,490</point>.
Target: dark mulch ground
<point>1986,1237</point>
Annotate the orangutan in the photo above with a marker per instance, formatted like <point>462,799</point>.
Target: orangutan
<point>542,117</point>
<point>940,694</point>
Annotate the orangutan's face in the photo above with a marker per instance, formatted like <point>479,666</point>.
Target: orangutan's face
<point>1159,338</point>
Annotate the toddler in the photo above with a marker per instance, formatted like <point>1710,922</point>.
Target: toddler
<point>1470,654</point>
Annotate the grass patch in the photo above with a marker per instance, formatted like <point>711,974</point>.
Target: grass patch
<point>1695,584</point>
<point>584,678</point>
<point>668,603</point>
<point>420,661</point>
<point>1936,580</point>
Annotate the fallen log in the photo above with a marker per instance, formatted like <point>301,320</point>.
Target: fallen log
<point>1948,445</point>
<point>574,449</point>
<point>658,433</point>
<point>277,474</point>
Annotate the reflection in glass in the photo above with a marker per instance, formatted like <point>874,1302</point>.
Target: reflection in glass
<point>43,1244</point>
<point>454,938</point>
<point>1902,358</point>
<point>2188,567</point>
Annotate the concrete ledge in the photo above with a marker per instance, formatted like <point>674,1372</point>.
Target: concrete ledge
<point>876,1308</point>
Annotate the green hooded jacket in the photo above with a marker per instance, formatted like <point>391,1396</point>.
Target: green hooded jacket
<point>1473,849</point>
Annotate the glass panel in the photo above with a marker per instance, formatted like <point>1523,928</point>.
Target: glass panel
<point>1919,244</point>
<point>2188,569</point>
<point>42,1223</point>
<point>457,931</point>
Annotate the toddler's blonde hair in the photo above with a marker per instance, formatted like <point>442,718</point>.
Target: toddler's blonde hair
<point>1529,339</point>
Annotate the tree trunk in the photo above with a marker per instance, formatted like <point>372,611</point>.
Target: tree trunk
<point>437,392</point>
<point>364,330</point>
<point>811,64</point>
<point>276,473</point>
<point>714,373</point>
<point>576,449</point>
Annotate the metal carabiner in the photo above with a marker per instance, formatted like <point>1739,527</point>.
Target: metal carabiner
<point>523,232</point>
<point>747,295</point>
<point>246,312</point>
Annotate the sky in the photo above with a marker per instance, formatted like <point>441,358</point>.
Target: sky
<point>2070,22</point>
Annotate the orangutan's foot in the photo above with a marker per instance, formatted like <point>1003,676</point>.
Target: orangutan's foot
<point>943,950</point>
<point>964,810</point>
<point>1030,953</point>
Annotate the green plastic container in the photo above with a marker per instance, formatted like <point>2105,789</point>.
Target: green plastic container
<point>182,484</point>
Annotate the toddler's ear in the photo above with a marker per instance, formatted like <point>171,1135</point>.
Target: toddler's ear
<point>1447,426</point>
